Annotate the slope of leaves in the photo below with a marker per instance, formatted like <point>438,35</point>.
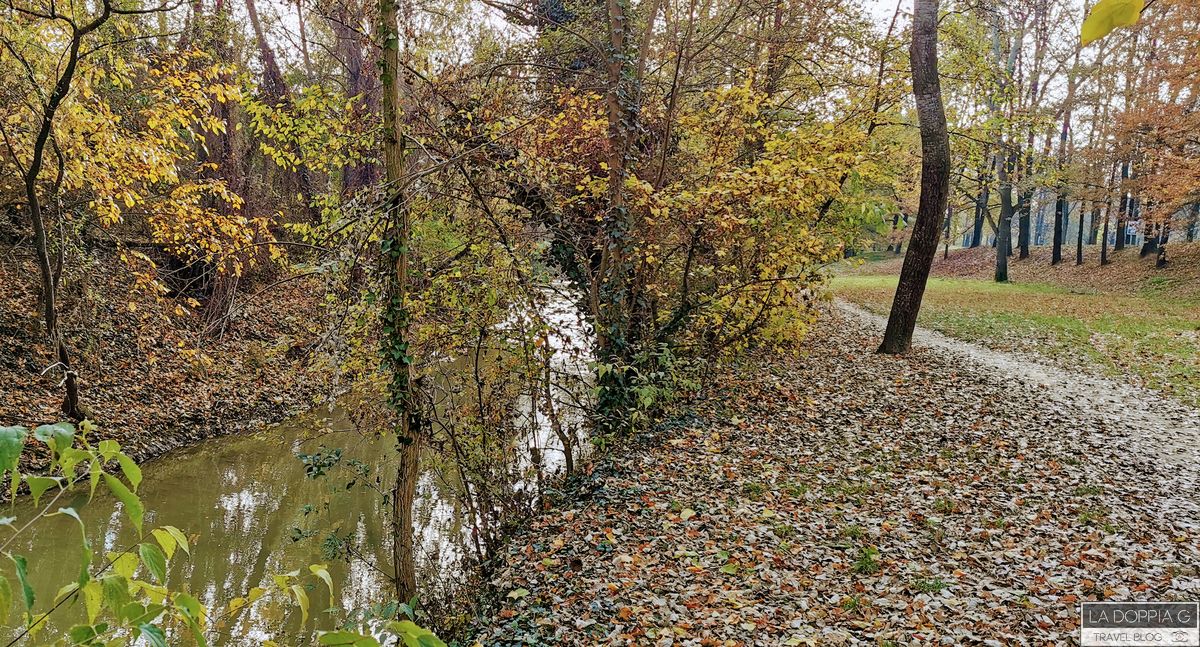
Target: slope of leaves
<point>143,377</point>
<point>850,498</point>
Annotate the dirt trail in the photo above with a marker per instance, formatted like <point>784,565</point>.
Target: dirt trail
<point>1156,427</point>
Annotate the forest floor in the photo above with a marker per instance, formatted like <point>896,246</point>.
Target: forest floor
<point>149,378</point>
<point>1125,320</point>
<point>843,497</point>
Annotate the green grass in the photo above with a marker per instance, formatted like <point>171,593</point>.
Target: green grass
<point>1149,337</point>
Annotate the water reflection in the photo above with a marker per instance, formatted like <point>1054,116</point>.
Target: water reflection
<point>251,512</point>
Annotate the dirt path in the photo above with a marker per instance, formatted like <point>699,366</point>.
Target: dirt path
<point>1149,424</point>
<point>841,497</point>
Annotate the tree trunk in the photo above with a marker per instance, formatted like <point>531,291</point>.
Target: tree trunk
<point>1104,240</point>
<point>946,230</point>
<point>278,93</point>
<point>1164,235</point>
<point>398,354</point>
<point>981,210</point>
<point>935,180</point>
<point>1025,204</point>
<point>1123,209</point>
<point>1079,234</point>
<point>1004,234</point>
<point>47,274</point>
<point>1060,214</point>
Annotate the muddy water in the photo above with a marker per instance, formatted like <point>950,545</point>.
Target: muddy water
<point>251,512</point>
<point>242,501</point>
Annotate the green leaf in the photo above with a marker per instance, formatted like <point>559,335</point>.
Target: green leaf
<point>115,590</point>
<point>179,537</point>
<point>124,564</point>
<point>82,634</point>
<point>108,449</point>
<point>347,638</point>
<point>154,560</point>
<point>165,540</point>
<point>72,457</point>
<point>153,635</point>
<point>93,596</point>
<point>131,470</point>
<point>132,504</point>
<point>23,579</point>
<point>517,594</point>
<point>58,436</point>
<point>1107,15</point>
<point>39,484</point>
<point>12,441</point>
<point>85,573</point>
<point>5,599</point>
<point>193,614</point>
<point>414,635</point>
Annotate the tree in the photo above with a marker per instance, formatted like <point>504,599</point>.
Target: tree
<point>935,180</point>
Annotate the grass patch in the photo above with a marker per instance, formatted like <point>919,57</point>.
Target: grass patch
<point>1147,337</point>
<point>867,562</point>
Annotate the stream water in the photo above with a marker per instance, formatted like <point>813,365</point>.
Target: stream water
<point>251,512</point>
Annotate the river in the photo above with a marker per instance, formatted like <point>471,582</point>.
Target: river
<point>251,512</point>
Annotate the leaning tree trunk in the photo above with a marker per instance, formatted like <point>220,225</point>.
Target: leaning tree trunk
<point>49,278</point>
<point>935,180</point>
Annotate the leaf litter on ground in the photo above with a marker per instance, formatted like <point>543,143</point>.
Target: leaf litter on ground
<point>843,497</point>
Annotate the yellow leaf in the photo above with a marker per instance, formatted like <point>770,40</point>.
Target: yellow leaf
<point>1107,15</point>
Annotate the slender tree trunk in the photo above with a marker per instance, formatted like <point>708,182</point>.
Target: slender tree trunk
<point>1060,214</point>
<point>1079,234</point>
<point>1164,235</point>
<point>1104,240</point>
<point>1004,234</point>
<point>48,276</point>
<point>946,229</point>
<point>1025,204</point>
<point>396,249</point>
<point>980,214</point>
<point>1123,209</point>
<point>935,180</point>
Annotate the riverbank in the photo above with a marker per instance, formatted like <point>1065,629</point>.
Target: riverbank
<point>149,378</point>
<point>843,497</point>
